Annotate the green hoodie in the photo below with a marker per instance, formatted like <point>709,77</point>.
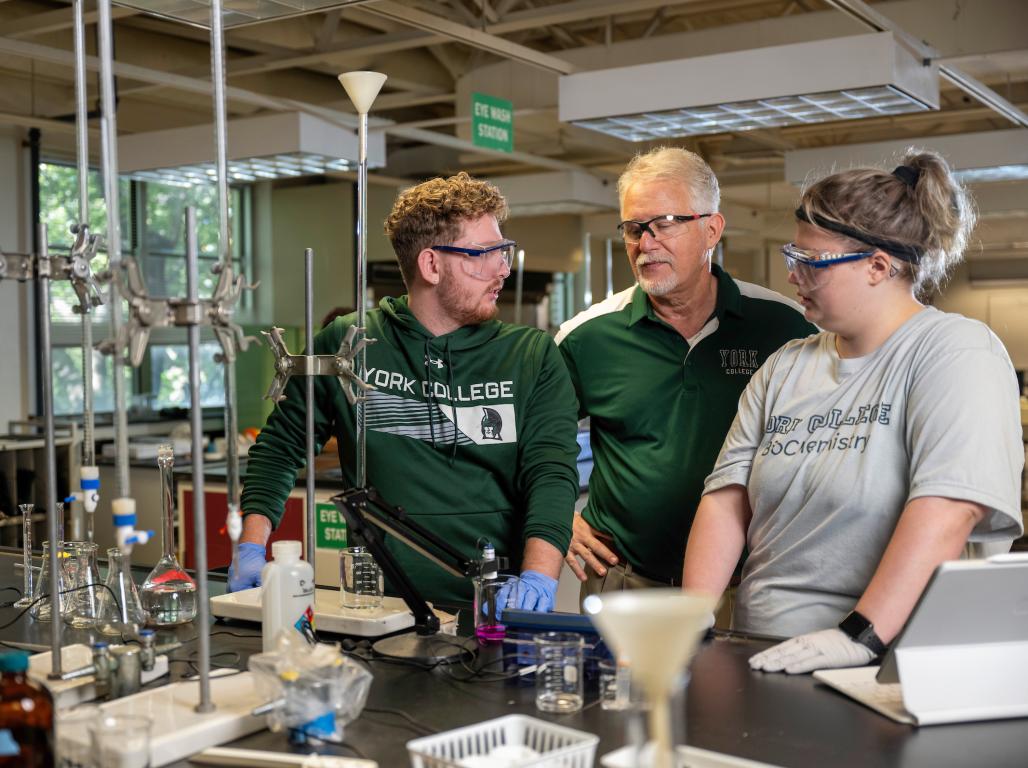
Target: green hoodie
<point>505,471</point>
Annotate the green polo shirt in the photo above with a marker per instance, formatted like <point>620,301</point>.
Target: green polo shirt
<point>660,407</point>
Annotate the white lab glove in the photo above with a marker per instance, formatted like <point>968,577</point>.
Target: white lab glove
<point>826,649</point>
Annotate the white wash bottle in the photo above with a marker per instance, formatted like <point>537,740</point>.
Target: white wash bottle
<point>287,595</point>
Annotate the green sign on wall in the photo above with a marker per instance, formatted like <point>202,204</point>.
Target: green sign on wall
<point>492,122</point>
<point>331,527</point>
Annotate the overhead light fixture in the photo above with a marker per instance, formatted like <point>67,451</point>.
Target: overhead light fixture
<point>560,192</point>
<point>974,157</point>
<point>282,145</point>
<point>234,13</point>
<point>842,78</point>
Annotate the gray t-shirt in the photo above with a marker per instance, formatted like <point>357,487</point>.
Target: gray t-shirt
<point>831,450</point>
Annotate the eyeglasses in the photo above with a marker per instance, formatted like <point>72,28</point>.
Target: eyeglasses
<point>660,228</point>
<point>809,265</point>
<point>483,261</point>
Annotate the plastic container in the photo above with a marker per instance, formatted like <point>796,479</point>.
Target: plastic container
<point>287,595</point>
<point>26,716</point>
<point>557,745</point>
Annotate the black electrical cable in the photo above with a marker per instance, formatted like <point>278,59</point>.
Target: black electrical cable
<point>41,598</point>
<point>12,589</point>
<point>417,724</point>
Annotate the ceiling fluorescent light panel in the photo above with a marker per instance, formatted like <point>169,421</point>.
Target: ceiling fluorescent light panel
<point>974,157</point>
<point>234,13</point>
<point>843,78</point>
<point>283,145</point>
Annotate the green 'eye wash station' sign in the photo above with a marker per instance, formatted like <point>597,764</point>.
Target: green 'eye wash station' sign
<point>492,122</point>
<point>331,527</point>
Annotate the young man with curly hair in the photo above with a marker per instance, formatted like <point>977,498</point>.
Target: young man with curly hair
<point>471,425</point>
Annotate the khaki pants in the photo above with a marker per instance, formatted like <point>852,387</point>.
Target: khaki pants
<point>618,577</point>
<point>621,577</point>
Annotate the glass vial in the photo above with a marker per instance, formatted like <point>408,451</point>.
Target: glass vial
<point>123,616</point>
<point>169,593</point>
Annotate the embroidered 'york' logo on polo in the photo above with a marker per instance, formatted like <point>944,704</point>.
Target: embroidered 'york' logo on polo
<point>740,361</point>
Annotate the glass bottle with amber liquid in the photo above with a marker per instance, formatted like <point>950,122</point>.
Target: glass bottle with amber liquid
<point>26,716</point>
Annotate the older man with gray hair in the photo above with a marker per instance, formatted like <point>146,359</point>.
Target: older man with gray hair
<point>659,368</point>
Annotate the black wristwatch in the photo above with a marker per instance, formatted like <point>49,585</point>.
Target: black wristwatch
<point>859,629</point>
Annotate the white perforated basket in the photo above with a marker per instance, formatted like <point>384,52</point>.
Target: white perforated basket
<point>559,747</point>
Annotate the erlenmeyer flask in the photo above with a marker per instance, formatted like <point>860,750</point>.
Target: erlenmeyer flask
<point>28,576</point>
<point>169,593</point>
<point>124,615</point>
<point>41,610</point>
<point>82,605</point>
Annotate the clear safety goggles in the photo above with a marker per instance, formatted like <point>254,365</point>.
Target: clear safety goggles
<point>660,228</point>
<point>810,267</point>
<point>483,261</point>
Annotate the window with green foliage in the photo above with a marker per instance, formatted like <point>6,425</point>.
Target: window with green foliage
<point>152,232</point>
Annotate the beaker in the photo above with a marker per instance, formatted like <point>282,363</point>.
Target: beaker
<point>40,609</point>
<point>121,741</point>
<point>169,593</point>
<point>120,610</point>
<point>82,577</point>
<point>491,597</point>
<point>72,734</point>
<point>558,672</point>
<point>26,556</point>
<point>360,579</point>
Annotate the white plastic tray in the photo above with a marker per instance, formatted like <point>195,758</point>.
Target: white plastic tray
<point>329,616</point>
<point>558,746</point>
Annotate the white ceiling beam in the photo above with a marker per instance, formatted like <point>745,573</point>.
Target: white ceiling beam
<point>577,10</point>
<point>376,45</point>
<point>873,19</point>
<point>54,21</point>
<point>63,57</point>
<point>476,38</point>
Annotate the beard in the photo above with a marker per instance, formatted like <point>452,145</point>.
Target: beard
<point>656,287</point>
<point>467,306</point>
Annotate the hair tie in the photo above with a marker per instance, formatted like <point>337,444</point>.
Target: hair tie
<point>907,175</point>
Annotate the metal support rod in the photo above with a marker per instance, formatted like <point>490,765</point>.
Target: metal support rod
<point>85,307</point>
<point>609,267</point>
<point>108,147</point>
<point>362,291</point>
<point>203,620</point>
<point>46,379</point>
<point>224,243</point>
<point>519,284</point>
<point>308,293</point>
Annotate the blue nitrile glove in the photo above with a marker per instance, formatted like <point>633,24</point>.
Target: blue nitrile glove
<point>536,592</point>
<point>251,561</point>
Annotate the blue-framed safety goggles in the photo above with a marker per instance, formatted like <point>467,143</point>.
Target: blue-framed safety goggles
<point>483,261</point>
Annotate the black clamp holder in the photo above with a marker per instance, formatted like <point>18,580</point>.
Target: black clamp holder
<point>368,515</point>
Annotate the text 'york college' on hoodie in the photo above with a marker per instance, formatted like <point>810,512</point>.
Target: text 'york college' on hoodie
<point>471,432</point>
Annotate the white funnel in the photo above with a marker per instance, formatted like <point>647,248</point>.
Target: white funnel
<point>658,630</point>
<point>362,88</point>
